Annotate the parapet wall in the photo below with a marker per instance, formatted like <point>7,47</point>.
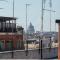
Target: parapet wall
<point>32,54</point>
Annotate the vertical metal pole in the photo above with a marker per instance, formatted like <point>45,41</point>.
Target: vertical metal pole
<point>42,17</point>
<point>50,21</point>
<point>26,21</point>
<point>13,8</point>
<point>50,13</point>
<point>12,31</point>
<point>41,50</point>
<point>55,22</point>
<point>26,33</point>
<point>42,29</point>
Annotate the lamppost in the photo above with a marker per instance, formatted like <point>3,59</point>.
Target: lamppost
<point>26,30</point>
<point>41,28</point>
<point>12,30</point>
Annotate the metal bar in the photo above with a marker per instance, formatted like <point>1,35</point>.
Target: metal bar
<point>50,23</point>
<point>49,10</point>
<point>13,8</point>
<point>42,27</point>
<point>42,17</point>
<point>12,32</point>
<point>41,50</point>
<point>50,20</point>
<point>27,48</point>
<point>50,44</point>
<point>55,22</point>
<point>26,32</point>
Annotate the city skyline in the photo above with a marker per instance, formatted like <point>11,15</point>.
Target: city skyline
<point>34,12</point>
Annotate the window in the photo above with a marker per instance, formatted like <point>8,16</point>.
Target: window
<point>2,45</point>
<point>18,44</point>
<point>9,44</point>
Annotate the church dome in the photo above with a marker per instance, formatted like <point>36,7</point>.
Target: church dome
<point>31,29</point>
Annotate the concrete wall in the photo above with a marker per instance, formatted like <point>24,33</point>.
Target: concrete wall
<point>32,54</point>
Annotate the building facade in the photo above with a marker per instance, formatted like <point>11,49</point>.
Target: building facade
<point>9,38</point>
<point>58,21</point>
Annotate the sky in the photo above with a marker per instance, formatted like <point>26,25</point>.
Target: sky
<point>34,13</point>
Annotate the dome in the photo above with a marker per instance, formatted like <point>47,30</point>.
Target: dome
<point>31,29</point>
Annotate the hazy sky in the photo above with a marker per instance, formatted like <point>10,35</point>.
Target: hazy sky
<point>34,12</point>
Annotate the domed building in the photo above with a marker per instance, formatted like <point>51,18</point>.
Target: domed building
<point>30,29</point>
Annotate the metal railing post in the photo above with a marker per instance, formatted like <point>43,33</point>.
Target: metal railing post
<point>41,50</point>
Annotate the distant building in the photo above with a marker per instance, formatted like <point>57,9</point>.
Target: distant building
<point>19,29</point>
<point>30,29</point>
<point>47,37</point>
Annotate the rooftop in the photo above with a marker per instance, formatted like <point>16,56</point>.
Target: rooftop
<point>58,21</point>
<point>2,18</point>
